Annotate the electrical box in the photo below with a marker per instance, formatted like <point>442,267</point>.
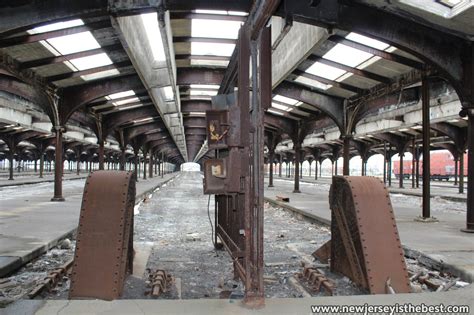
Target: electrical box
<point>217,125</point>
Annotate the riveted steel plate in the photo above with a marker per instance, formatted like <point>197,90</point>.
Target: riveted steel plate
<point>365,244</point>
<point>104,247</point>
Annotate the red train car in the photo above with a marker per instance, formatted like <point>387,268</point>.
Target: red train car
<point>441,166</point>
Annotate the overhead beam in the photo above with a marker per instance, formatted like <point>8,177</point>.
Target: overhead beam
<point>76,74</point>
<point>188,76</point>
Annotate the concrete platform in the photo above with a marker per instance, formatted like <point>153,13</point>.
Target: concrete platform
<point>30,223</point>
<point>31,180</point>
<point>225,306</point>
<point>442,243</point>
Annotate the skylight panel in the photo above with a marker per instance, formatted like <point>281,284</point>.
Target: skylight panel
<point>369,62</point>
<point>90,62</point>
<point>367,41</point>
<point>221,12</point>
<point>120,95</point>
<point>127,101</point>
<point>212,63</point>
<point>99,75</point>
<point>347,55</point>
<point>203,92</point>
<point>215,28</point>
<point>280,107</point>
<point>74,43</point>
<point>274,112</point>
<point>152,30</point>
<point>205,86</point>
<point>212,49</point>
<point>286,100</point>
<point>344,77</point>
<point>325,71</point>
<point>169,94</point>
<point>55,26</point>
<point>313,83</point>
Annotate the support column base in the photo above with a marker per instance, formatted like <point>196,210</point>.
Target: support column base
<point>271,186</point>
<point>425,220</point>
<point>467,230</point>
<point>10,179</point>
<point>58,199</point>
<point>253,302</point>
<point>296,191</point>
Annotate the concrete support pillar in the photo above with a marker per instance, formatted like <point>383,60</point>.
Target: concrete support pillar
<point>58,166</point>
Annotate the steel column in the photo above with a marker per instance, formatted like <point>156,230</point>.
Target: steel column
<point>58,166</point>
<point>461,173</point>
<point>456,169</point>
<point>41,170</point>
<point>385,162</point>
<point>101,154</point>
<point>400,183</point>
<point>346,156</point>
<point>315,169</point>
<point>470,174</point>
<point>270,171</point>
<point>10,159</point>
<point>413,152</point>
<point>150,167</point>
<point>297,168</point>
<point>425,95</point>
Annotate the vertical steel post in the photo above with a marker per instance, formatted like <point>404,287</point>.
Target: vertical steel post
<point>470,174</point>
<point>385,162</point>
<point>316,169</point>
<point>270,172</point>
<point>58,166</point>
<point>346,157</point>
<point>413,152</point>
<point>101,154</point>
<point>400,183</point>
<point>41,170</point>
<point>461,173</point>
<point>456,169</point>
<point>425,95</point>
<point>297,148</point>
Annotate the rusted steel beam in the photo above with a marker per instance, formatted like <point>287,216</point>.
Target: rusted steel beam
<point>100,267</point>
<point>136,131</point>
<point>76,97</point>
<point>365,245</point>
<point>13,41</point>
<point>58,165</point>
<point>201,57</point>
<point>331,106</point>
<point>425,109</point>
<point>195,106</point>
<point>456,134</point>
<point>470,173</point>
<point>283,124</point>
<point>259,15</point>
<point>120,118</point>
<point>188,76</point>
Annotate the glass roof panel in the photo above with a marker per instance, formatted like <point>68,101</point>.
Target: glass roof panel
<point>212,49</point>
<point>212,63</point>
<point>347,55</point>
<point>286,100</point>
<point>150,22</point>
<point>274,112</point>
<point>169,94</point>
<point>120,95</point>
<point>101,74</point>
<point>205,86</point>
<point>74,43</point>
<point>281,107</point>
<point>203,92</point>
<point>364,40</point>
<point>127,101</point>
<point>325,71</point>
<point>313,83</point>
<point>215,28</point>
<point>93,61</point>
<point>55,26</point>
